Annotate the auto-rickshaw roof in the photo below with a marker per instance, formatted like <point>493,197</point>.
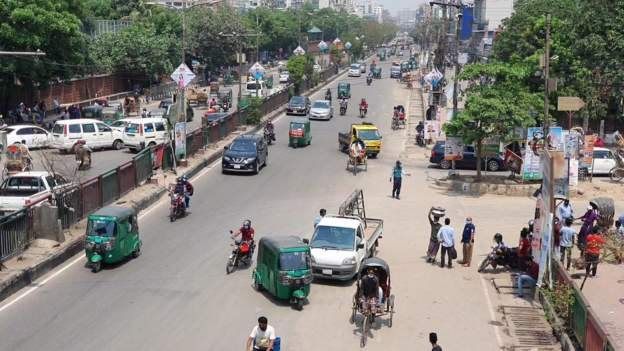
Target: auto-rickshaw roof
<point>303,120</point>
<point>344,84</point>
<point>375,262</point>
<point>279,243</point>
<point>115,211</point>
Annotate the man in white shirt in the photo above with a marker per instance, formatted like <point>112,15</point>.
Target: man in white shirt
<point>262,336</point>
<point>446,237</point>
<point>565,211</point>
<point>566,241</point>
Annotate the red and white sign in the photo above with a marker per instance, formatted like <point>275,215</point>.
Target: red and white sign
<point>183,76</point>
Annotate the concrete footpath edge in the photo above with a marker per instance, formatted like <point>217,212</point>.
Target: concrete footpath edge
<point>25,277</point>
<point>479,189</point>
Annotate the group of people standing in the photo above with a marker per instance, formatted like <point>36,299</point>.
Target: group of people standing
<point>444,236</point>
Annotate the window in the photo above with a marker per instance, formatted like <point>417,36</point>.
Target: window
<point>51,181</point>
<point>132,128</point>
<point>148,127</point>
<point>25,131</point>
<point>160,127</point>
<point>57,129</point>
<point>603,154</point>
<point>103,127</point>
<point>74,128</point>
<point>102,228</point>
<point>88,128</point>
<point>39,131</point>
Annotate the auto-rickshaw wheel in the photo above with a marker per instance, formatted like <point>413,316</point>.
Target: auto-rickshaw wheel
<point>137,252</point>
<point>299,305</point>
<point>96,266</point>
<point>256,284</point>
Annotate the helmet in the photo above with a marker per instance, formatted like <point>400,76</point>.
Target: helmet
<point>498,237</point>
<point>246,224</point>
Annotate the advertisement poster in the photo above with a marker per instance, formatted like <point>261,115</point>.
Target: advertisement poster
<point>560,174</point>
<point>573,172</point>
<point>545,249</point>
<point>588,151</point>
<point>535,142</point>
<point>572,144</point>
<point>180,140</point>
<point>453,149</point>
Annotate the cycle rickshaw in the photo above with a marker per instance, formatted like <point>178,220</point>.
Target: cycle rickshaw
<point>357,157</point>
<point>372,308</point>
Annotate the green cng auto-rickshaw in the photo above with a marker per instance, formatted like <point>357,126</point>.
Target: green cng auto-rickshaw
<point>344,90</point>
<point>112,235</point>
<point>376,72</point>
<point>299,133</point>
<point>283,268</point>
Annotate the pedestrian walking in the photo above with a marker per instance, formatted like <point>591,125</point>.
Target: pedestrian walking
<point>396,177</point>
<point>594,244</point>
<point>433,339</point>
<point>446,237</point>
<point>528,278</point>
<point>434,244</point>
<point>590,216</point>
<point>262,336</point>
<point>467,242</point>
<point>317,220</point>
<point>564,211</point>
<point>566,242</point>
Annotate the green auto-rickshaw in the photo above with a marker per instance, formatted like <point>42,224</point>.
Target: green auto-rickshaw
<point>344,90</point>
<point>92,111</point>
<point>376,72</point>
<point>283,268</point>
<point>299,133</point>
<point>111,114</point>
<point>112,235</point>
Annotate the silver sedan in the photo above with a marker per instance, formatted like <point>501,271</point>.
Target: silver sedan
<point>321,109</point>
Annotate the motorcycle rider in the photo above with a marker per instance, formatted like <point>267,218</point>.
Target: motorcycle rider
<point>363,105</point>
<point>328,95</point>
<point>420,133</point>
<point>270,129</point>
<point>369,78</point>
<point>184,188</point>
<point>344,103</point>
<point>246,232</point>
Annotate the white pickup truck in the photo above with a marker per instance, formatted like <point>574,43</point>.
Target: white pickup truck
<point>27,188</point>
<point>340,243</point>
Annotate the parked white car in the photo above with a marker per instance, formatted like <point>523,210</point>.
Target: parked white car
<point>142,132</point>
<point>284,77</point>
<point>32,136</point>
<point>604,161</point>
<point>95,133</point>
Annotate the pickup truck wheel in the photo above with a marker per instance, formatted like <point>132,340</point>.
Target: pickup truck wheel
<point>445,164</point>
<point>117,144</point>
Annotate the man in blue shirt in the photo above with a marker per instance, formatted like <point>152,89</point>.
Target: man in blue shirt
<point>566,242</point>
<point>467,242</point>
<point>397,177</point>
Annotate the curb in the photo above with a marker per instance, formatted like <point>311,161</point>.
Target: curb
<point>479,189</point>
<point>29,275</point>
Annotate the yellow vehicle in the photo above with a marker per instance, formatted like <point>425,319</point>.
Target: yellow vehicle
<point>367,132</point>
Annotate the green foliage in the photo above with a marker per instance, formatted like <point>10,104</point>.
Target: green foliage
<point>497,102</point>
<point>298,67</point>
<point>52,26</point>
<point>254,111</point>
<point>139,48</point>
<point>561,298</point>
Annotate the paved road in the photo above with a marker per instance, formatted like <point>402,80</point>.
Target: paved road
<point>177,296</point>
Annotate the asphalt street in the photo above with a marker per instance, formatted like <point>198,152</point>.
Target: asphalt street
<point>176,296</point>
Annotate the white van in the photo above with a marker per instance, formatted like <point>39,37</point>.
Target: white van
<point>142,132</point>
<point>256,88</point>
<point>96,134</point>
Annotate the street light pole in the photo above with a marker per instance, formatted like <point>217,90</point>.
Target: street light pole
<point>239,55</point>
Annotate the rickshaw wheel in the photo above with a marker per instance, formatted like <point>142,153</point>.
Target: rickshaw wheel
<point>364,330</point>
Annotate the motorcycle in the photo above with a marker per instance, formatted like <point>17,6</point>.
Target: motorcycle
<point>177,208</point>
<point>343,110</point>
<point>505,257</point>
<point>369,81</point>
<point>242,252</point>
<point>420,138</point>
<point>269,135</point>
<point>363,112</point>
<point>395,123</point>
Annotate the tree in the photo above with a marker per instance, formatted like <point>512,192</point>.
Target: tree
<point>497,102</point>
<point>300,67</point>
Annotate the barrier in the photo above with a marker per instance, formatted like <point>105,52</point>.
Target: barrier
<point>586,328</point>
<point>15,232</point>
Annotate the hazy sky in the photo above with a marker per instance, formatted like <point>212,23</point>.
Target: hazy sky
<point>394,5</point>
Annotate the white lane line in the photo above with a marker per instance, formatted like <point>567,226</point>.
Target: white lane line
<point>80,257</point>
<point>492,313</point>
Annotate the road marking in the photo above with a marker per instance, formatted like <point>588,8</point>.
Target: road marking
<point>492,313</point>
<point>80,257</point>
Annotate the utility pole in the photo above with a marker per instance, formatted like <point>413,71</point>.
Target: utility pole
<point>239,56</point>
<point>22,53</point>
<point>546,77</point>
<point>456,61</point>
